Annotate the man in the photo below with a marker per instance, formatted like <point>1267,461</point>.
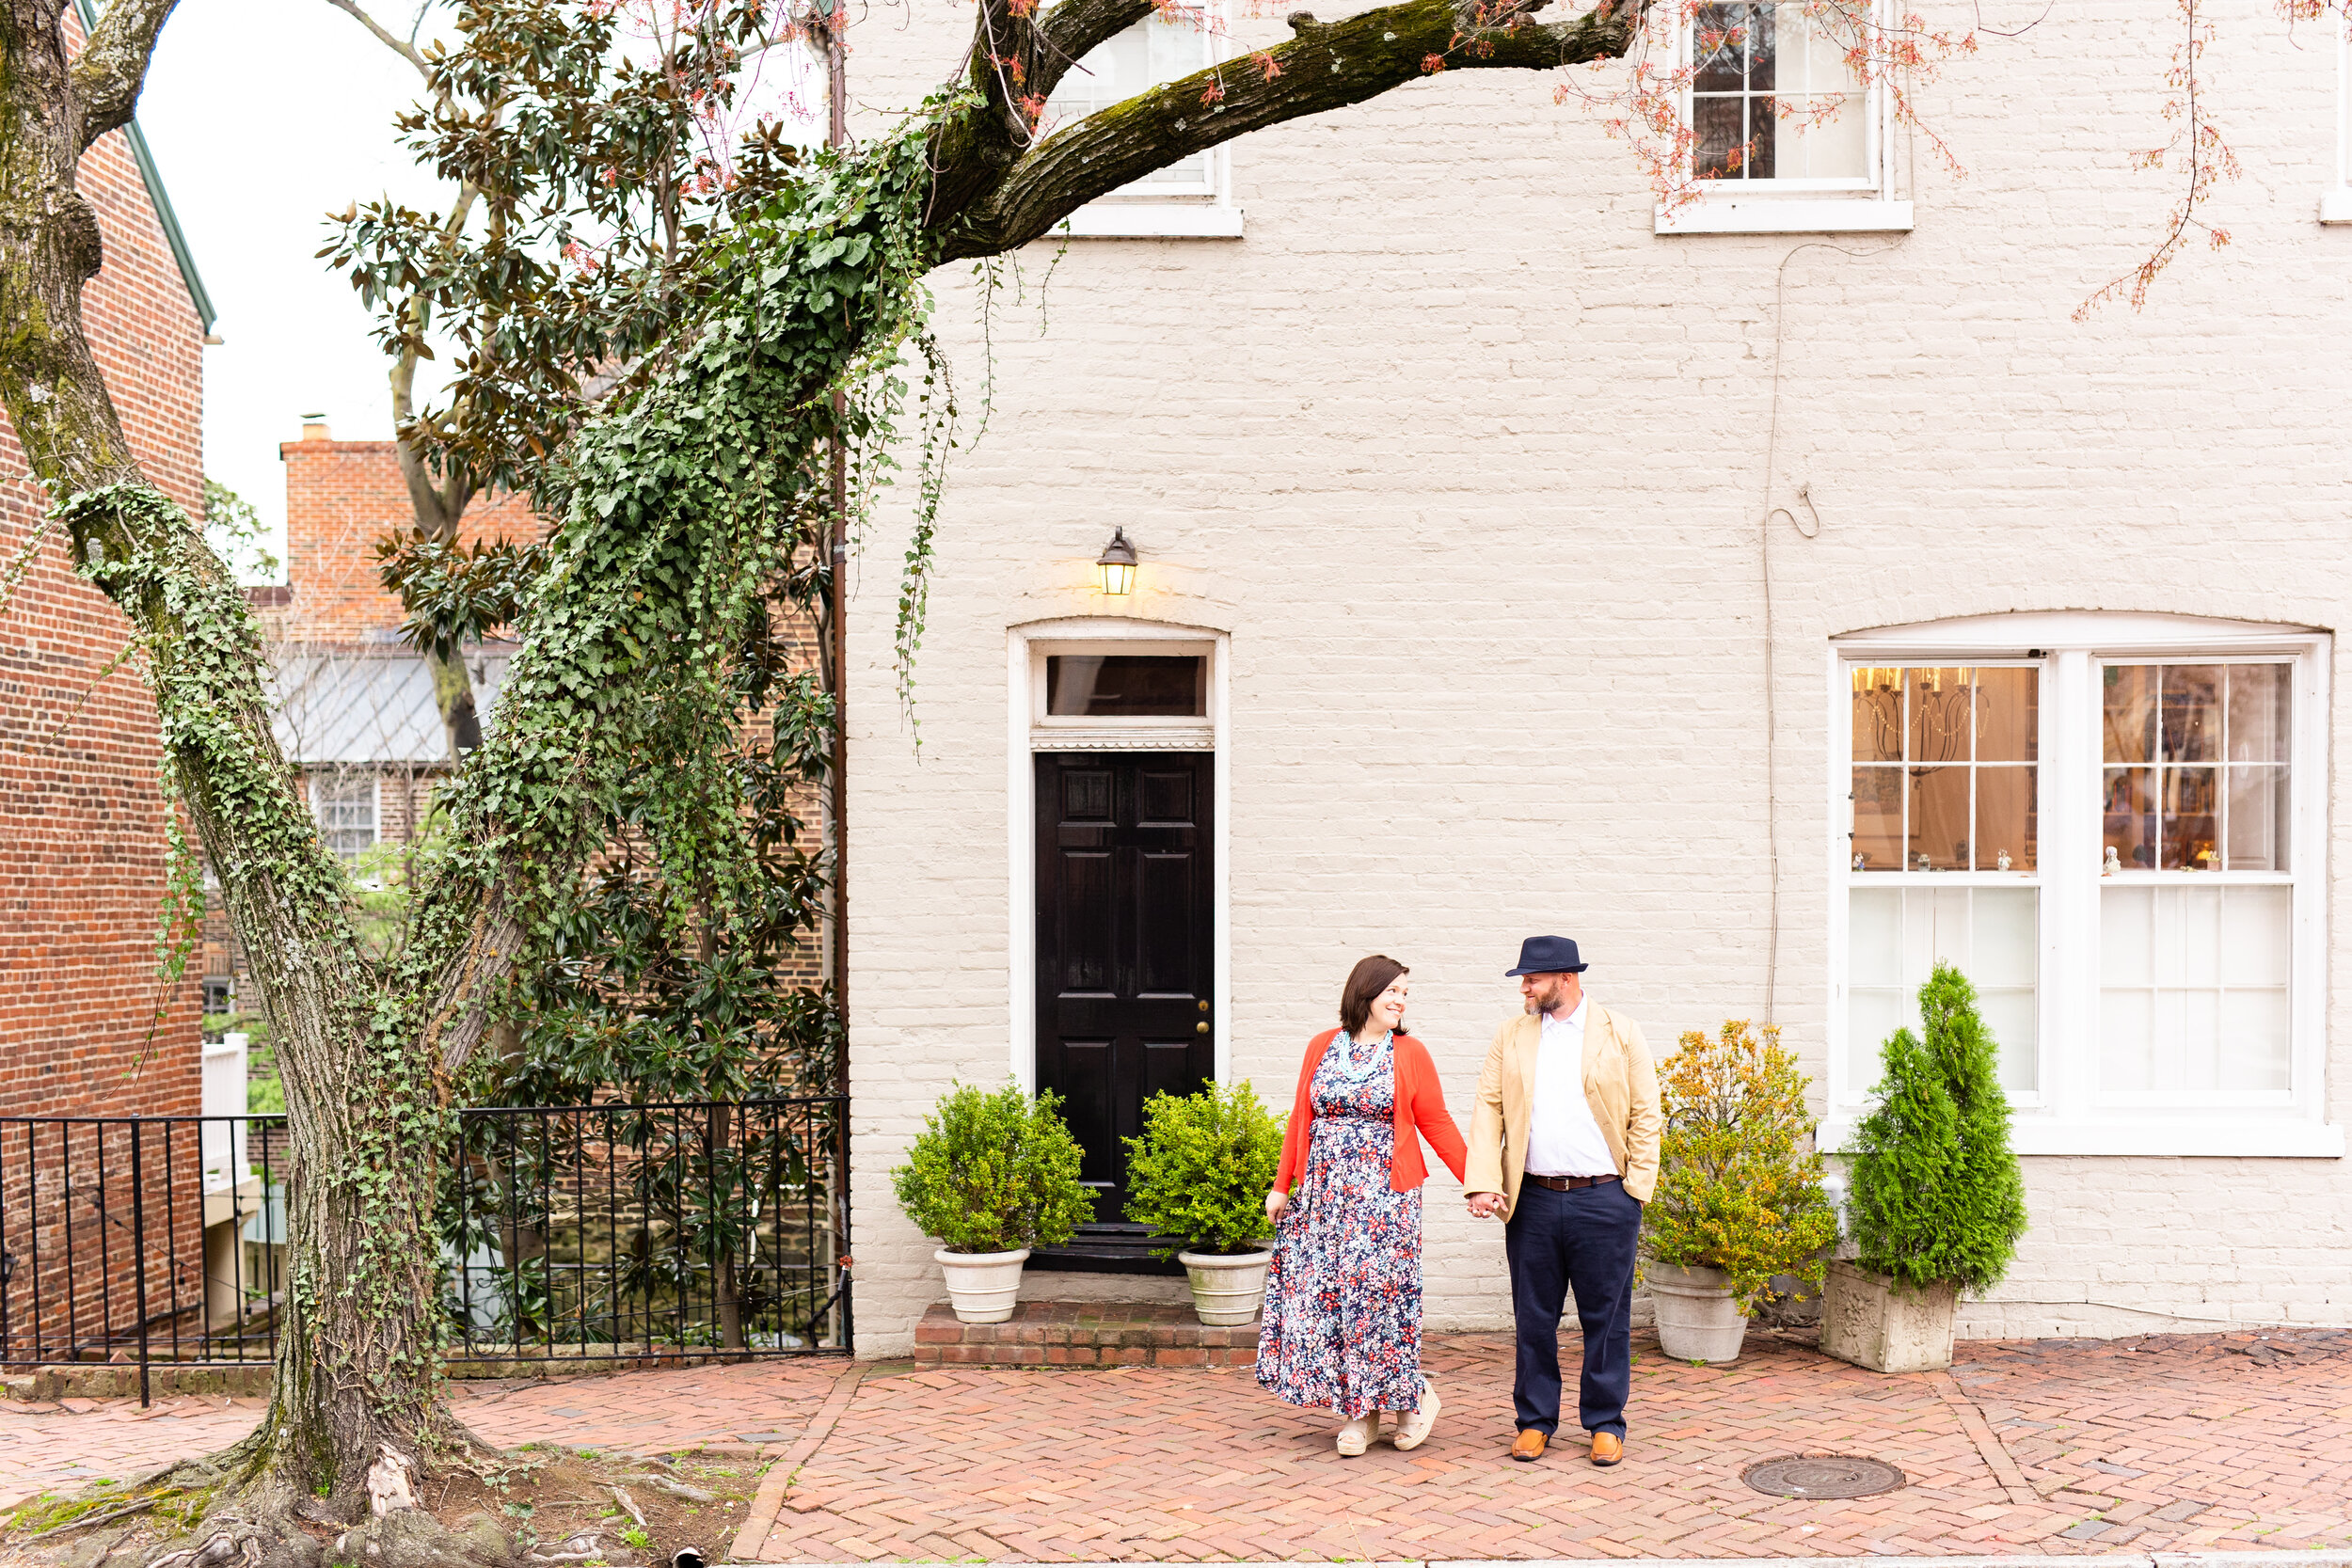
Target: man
<point>1564,1149</point>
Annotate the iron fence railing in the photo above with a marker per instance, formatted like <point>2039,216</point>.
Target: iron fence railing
<point>608,1232</point>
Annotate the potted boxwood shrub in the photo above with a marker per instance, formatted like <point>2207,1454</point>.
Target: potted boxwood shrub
<point>1937,1200</point>
<point>1199,1173</point>
<point>992,1175</point>
<point>1738,1196</point>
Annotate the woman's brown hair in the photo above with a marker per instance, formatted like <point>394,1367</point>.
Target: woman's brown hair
<point>1365,982</point>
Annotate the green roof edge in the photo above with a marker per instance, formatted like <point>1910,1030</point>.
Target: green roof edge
<point>161,200</point>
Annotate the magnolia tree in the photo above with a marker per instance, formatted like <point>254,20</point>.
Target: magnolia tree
<point>667,368</point>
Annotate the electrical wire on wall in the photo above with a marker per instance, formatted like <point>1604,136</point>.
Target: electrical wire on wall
<point>1806,528</point>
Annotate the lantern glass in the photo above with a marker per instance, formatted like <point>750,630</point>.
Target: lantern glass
<point>1116,577</point>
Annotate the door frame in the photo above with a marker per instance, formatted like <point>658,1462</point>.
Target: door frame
<point>1026,648</point>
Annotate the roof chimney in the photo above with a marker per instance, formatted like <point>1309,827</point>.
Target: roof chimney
<point>314,428</point>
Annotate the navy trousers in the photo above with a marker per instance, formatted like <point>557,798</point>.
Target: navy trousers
<point>1582,1239</point>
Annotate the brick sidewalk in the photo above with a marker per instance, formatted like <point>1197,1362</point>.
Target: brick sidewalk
<point>2180,1444</point>
<point>2176,1444</point>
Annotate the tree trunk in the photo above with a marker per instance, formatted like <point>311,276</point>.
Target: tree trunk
<point>354,1367</point>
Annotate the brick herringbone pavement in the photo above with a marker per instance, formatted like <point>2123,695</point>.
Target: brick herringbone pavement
<point>2180,1442</point>
<point>2184,1444</point>
<point>2194,1443</point>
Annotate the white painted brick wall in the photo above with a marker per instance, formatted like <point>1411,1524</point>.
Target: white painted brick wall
<point>1469,463</point>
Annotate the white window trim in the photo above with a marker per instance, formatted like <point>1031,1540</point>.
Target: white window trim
<point>2067,1113</point>
<point>2335,203</point>
<point>1177,214</point>
<point>1029,730</point>
<point>1794,206</point>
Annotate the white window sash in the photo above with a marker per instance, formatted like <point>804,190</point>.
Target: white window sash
<point>1871,104</point>
<point>2071,1112</point>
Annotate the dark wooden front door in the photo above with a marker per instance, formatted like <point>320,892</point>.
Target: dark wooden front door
<point>1123,976</point>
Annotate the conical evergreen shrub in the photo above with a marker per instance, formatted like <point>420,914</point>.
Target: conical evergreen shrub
<point>1937,1194</point>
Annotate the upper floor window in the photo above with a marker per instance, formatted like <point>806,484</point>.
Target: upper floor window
<point>1188,197</point>
<point>344,804</point>
<point>1784,135</point>
<point>2112,826</point>
<point>1772,98</point>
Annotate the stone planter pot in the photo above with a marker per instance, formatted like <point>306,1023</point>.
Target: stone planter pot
<point>1227,1288</point>
<point>982,1286</point>
<point>1698,1318</point>
<point>1866,1321</point>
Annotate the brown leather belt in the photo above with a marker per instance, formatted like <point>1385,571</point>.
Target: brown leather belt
<point>1570,1183</point>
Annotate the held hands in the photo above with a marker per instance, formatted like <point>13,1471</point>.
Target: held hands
<point>1487,1206</point>
<point>1276,1201</point>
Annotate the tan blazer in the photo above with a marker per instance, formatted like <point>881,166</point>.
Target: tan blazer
<point>1620,1084</point>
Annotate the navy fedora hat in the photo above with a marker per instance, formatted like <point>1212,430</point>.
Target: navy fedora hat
<point>1548,956</point>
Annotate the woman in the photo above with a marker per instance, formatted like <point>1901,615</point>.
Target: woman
<point>1342,1302</point>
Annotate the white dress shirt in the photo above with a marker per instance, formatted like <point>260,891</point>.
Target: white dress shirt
<point>1563,1139</point>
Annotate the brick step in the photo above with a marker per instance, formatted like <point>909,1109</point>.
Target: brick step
<point>1084,1334</point>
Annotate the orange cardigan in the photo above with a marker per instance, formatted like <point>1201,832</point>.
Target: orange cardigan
<point>1420,1103</point>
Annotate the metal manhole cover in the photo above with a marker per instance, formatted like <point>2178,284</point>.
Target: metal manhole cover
<point>1826,1475</point>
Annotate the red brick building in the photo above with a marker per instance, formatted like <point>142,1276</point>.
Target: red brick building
<point>81,814</point>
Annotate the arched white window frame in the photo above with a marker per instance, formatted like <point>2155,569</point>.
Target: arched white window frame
<point>2067,1112</point>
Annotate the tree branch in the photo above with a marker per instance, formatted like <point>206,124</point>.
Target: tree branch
<point>391,40</point>
<point>112,66</point>
<point>987,210</point>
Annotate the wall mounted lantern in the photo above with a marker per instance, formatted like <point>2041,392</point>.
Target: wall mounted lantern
<point>1115,568</point>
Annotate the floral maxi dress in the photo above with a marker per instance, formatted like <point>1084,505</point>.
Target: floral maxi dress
<point>1343,1303</point>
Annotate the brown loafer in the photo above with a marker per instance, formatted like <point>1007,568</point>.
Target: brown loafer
<point>1529,1446</point>
<point>1608,1447</point>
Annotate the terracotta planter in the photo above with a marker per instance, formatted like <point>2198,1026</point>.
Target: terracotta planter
<point>1698,1318</point>
<point>982,1286</point>
<point>1867,1321</point>
<point>1227,1288</point>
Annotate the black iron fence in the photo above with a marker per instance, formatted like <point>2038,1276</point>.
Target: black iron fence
<point>605,1233</point>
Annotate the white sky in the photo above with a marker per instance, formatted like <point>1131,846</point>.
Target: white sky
<point>264,116</point>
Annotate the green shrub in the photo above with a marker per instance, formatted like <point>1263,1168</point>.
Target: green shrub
<point>1737,1187</point>
<point>994,1172</point>
<point>1937,1195</point>
<point>1202,1168</point>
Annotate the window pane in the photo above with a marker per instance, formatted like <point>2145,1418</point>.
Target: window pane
<point>1939,715</point>
<point>2194,988</point>
<point>1763,139</point>
<point>1895,938</point>
<point>2130,718</point>
<point>2191,838</point>
<point>2192,708</point>
<point>2259,705</point>
<point>2005,818</point>
<point>2008,714</point>
<point>2257,814</point>
<point>1939,820</point>
<point>1877,818</point>
<point>1719,48</point>
<point>1124,685</point>
<point>1721,151</point>
<point>1763,52</point>
<point>2130,822</point>
<point>1874,997</point>
<point>1877,714</point>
